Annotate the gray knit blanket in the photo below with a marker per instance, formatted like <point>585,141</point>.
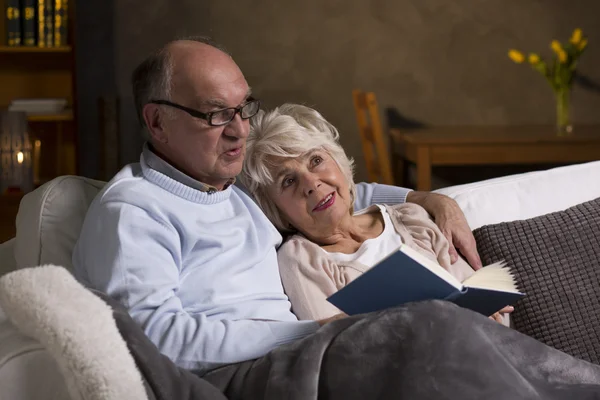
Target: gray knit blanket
<point>425,350</point>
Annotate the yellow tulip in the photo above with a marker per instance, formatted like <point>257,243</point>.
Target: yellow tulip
<point>516,56</point>
<point>562,56</point>
<point>534,59</point>
<point>582,44</point>
<point>556,46</point>
<point>576,36</point>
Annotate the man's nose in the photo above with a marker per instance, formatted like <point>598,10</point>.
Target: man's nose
<point>238,128</point>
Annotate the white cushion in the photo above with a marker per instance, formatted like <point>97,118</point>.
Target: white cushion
<point>526,195</point>
<point>50,218</point>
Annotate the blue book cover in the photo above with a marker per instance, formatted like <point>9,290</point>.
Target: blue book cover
<point>407,276</point>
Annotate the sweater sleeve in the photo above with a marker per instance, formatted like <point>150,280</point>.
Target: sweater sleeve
<point>368,194</point>
<point>136,259</point>
<point>427,238</point>
<point>309,278</point>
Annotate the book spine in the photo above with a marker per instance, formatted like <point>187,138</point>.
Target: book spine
<point>455,295</point>
<point>13,22</point>
<point>41,23</point>
<point>9,15</point>
<point>17,23</point>
<point>28,16</point>
<point>49,15</point>
<point>65,23</point>
<point>60,22</point>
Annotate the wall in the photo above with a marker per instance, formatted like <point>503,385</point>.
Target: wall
<point>95,78</point>
<point>436,61</point>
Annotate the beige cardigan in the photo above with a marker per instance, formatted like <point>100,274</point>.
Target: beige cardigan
<point>309,276</point>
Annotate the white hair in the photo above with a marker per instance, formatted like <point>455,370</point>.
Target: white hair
<point>288,131</point>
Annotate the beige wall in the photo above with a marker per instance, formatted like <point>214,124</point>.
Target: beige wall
<point>437,61</point>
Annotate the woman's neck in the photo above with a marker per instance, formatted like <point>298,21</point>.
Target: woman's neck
<point>352,232</point>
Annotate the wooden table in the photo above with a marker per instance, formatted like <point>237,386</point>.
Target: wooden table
<point>490,145</point>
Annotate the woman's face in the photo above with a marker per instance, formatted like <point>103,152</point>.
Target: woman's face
<point>312,193</point>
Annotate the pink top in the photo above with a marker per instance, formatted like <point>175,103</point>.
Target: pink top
<point>310,275</point>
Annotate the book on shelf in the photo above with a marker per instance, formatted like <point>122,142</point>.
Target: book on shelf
<point>12,22</point>
<point>406,276</point>
<point>60,22</point>
<point>36,23</point>
<point>45,23</point>
<point>28,17</point>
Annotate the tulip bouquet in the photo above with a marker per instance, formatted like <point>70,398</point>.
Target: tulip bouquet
<point>559,72</point>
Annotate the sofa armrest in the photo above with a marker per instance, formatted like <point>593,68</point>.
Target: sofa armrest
<point>7,257</point>
<point>27,370</point>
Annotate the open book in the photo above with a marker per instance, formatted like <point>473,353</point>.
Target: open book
<point>407,275</point>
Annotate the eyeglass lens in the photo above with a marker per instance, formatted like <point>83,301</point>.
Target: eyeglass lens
<point>224,116</point>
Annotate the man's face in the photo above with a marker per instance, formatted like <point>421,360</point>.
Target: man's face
<point>210,154</point>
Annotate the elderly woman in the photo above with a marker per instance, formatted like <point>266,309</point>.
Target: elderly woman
<point>303,181</point>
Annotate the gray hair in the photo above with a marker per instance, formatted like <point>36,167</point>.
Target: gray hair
<point>151,80</point>
<point>288,131</point>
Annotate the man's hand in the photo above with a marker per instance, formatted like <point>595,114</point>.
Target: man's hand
<point>452,222</point>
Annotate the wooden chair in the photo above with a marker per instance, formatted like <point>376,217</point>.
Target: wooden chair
<point>374,147</point>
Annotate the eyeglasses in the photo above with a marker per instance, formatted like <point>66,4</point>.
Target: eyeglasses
<point>218,117</point>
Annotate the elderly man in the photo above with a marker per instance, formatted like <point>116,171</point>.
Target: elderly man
<point>187,252</point>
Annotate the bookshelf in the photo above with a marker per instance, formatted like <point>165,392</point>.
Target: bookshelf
<point>13,49</point>
<point>40,73</point>
<point>63,116</point>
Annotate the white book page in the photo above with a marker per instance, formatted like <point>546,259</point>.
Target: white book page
<point>495,276</point>
<point>432,266</point>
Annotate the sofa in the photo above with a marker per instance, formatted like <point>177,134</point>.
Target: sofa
<point>50,218</point>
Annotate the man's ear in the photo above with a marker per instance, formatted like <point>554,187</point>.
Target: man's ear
<point>154,120</point>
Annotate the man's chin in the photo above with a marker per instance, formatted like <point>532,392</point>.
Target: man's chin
<point>232,170</point>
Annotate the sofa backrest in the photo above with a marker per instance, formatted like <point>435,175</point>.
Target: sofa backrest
<point>528,195</point>
<point>50,218</point>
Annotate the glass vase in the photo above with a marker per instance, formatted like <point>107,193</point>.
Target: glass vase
<point>563,112</point>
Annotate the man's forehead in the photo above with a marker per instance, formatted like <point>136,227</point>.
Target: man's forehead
<point>222,101</point>
<point>211,90</point>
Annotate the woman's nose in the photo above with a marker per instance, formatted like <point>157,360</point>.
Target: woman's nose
<point>310,185</point>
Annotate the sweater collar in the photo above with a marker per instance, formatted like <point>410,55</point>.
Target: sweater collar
<point>174,181</point>
<point>162,166</point>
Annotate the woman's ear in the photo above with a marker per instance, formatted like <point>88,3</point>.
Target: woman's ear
<point>289,226</point>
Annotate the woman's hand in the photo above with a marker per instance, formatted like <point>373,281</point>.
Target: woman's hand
<point>452,222</point>
<point>331,319</point>
<point>499,316</point>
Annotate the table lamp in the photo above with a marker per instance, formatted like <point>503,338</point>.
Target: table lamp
<point>16,170</point>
